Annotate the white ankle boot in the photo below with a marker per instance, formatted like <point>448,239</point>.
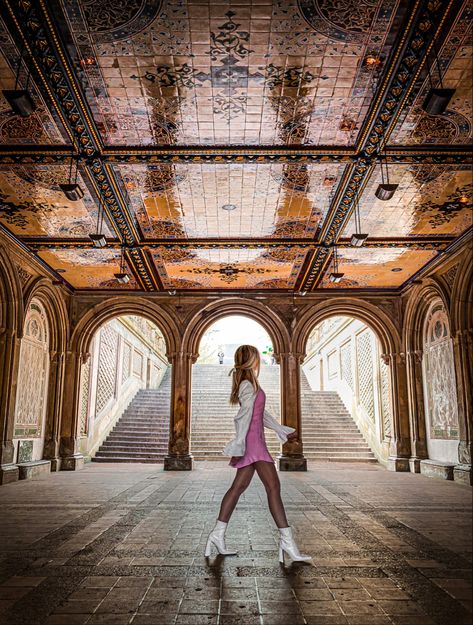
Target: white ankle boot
<point>217,537</point>
<point>287,544</point>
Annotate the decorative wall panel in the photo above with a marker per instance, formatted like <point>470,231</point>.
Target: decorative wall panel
<point>126,366</point>
<point>346,371</point>
<point>365,344</point>
<point>32,373</point>
<point>84,398</point>
<point>439,370</point>
<point>385,398</point>
<point>107,367</point>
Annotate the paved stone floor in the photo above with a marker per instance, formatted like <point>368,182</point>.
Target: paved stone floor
<point>120,544</point>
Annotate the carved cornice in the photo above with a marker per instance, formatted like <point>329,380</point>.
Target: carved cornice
<point>417,154</point>
<point>420,242</point>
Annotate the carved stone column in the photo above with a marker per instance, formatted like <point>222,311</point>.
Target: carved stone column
<point>179,458</point>
<point>54,409</point>
<point>400,445</point>
<point>9,361</point>
<point>416,410</point>
<point>292,458</point>
<point>71,458</point>
<point>463,355</point>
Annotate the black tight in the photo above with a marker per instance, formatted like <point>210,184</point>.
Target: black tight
<point>269,476</point>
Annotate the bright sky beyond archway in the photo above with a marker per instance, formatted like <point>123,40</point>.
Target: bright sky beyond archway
<point>227,334</point>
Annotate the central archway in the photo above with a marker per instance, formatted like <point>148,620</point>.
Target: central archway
<point>212,425</point>
<point>278,340</point>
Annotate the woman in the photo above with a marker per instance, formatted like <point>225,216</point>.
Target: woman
<point>249,454</point>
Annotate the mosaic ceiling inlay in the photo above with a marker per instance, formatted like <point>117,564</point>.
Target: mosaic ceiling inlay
<point>251,200</point>
<point>229,141</point>
<point>218,73</point>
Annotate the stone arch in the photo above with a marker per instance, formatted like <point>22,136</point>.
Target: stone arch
<point>11,299</point>
<point>55,306</point>
<point>257,311</point>
<point>96,316</point>
<point>420,300</point>
<point>374,317</point>
<point>462,296</point>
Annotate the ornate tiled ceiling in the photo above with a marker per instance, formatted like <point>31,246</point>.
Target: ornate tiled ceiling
<point>229,142</point>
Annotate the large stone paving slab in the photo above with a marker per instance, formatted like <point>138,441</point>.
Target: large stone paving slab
<point>123,544</point>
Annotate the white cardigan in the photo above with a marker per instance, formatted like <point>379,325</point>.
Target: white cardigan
<point>247,396</point>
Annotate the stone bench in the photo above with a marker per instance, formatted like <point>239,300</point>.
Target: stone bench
<point>35,468</point>
<point>437,468</point>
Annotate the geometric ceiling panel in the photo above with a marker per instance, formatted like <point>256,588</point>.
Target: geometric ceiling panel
<point>40,127</point>
<point>214,73</point>
<point>430,200</point>
<point>188,200</point>
<point>377,268</point>
<point>274,268</point>
<point>454,126</point>
<point>88,269</point>
<point>32,204</point>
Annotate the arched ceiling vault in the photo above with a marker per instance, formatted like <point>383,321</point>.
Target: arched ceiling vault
<point>229,145</point>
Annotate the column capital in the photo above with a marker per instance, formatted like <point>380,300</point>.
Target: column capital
<point>172,356</point>
<point>297,356</point>
<point>398,358</point>
<point>415,354</point>
<point>56,357</point>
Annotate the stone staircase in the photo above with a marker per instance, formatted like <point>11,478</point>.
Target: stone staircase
<point>142,432</point>
<point>329,432</point>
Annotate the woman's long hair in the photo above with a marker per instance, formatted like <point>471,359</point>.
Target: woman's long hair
<point>246,356</point>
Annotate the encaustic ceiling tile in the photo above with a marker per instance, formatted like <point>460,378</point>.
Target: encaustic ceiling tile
<point>195,268</point>
<point>430,200</point>
<point>40,128</point>
<point>89,268</point>
<point>229,200</point>
<point>454,126</point>
<point>212,73</point>
<point>377,268</point>
<point>32,204</point>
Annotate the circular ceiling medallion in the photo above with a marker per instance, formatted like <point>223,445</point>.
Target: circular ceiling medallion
<point>343,20</point>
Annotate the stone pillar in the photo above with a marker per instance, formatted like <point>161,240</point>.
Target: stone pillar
<point>179,458</point>
<point>70,457</point>
<point>416,410</point>
<point>463,355</point>
<point>400,446</point>
<point>292,458</point>
<point>54,409</point>
<point>9,362</point>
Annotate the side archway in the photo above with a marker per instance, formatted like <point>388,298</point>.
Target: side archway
<point>81,337</point>
<point>385,328</point>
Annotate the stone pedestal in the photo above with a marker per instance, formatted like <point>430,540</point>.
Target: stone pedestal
<point>414,464</point>
<point>463,473</point>
<point>72,463</point>
<point>436,468</point>
<point>33,469</point>
<point>292,463</point>
<point>8,473</point>
<point>397,464</point>
<point>178,463</point>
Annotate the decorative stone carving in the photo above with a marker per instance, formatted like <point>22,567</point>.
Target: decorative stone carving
<point>449,276</point>
<point>23,275</point>
<point>439,370</point>
<point>33,373</point>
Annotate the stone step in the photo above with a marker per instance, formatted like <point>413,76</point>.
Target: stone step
<point>119,454</point>
<point>124,459</point>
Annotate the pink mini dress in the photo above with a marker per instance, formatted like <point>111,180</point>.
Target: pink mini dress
<point>255,442</point>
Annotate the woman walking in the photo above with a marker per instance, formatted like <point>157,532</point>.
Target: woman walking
<point>250,453</point>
